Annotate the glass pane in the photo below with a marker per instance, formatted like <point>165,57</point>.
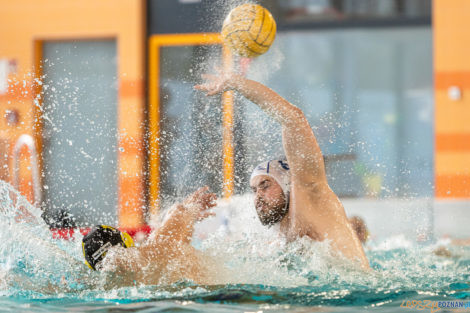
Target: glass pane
<point>295,11</point>
<point>191,123</point>
<point>80,130</point>
<point>368,96</point>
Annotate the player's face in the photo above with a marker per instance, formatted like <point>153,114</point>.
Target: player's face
<point>270,201</point>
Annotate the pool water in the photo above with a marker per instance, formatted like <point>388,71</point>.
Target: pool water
<point>262,273</point>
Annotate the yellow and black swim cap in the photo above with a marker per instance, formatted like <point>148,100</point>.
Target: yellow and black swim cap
<point>97,242</point>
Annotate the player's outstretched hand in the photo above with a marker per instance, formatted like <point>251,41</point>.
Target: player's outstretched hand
<point>200,202</point>
<point>216,83</point>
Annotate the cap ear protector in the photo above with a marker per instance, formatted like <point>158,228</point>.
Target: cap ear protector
<point>97,242</point>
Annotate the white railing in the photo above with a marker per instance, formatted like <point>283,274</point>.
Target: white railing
<point>28,141</point>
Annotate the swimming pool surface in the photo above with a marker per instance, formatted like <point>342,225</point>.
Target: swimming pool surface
<point>38,274</point>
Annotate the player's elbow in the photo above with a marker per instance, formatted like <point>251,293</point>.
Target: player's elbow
<point>296,117</point>
<point>298,113</point>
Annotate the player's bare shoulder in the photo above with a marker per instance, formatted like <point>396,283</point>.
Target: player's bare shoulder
<point>315,198</point>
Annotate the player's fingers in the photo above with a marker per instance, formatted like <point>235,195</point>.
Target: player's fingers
<point>205,87</point>
<point>211,199</point>
<point>208,194</point>
<point>209,77</point>
<point>209,204</point>
<point>206,215</point>
<point>201,191</point>
<point>195,196</point>
<point>213,92</point>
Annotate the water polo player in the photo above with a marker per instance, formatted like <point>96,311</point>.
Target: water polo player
<point>305,205</point>
<point>99,240</point>
<point>272,191</point>
<point>164,258</point>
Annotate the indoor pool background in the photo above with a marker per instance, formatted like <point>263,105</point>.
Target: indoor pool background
<point>39,274</point>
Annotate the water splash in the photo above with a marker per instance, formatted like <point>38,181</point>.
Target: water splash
<point>30,260</point>
<point>260,267</point>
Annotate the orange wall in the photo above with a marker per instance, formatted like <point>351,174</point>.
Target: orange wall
<point>25,23</point>
<point>451,25</point>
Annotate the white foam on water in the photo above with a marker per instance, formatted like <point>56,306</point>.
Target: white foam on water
<point>32,263</point>
<point>255,254</point>
<point>29,258</point>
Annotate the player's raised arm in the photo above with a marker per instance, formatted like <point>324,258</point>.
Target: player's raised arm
<point>310,208</point>
<point>301,148</point>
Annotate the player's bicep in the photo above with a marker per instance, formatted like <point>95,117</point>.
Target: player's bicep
<point>303,153</point>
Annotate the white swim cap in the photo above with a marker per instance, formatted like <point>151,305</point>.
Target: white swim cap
<point>277,169</point>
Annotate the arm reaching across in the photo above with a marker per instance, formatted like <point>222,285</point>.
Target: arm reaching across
<point>167,254</point>
<point>179,225</point>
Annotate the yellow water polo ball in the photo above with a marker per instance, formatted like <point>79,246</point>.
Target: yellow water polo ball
<point>249,30</point>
